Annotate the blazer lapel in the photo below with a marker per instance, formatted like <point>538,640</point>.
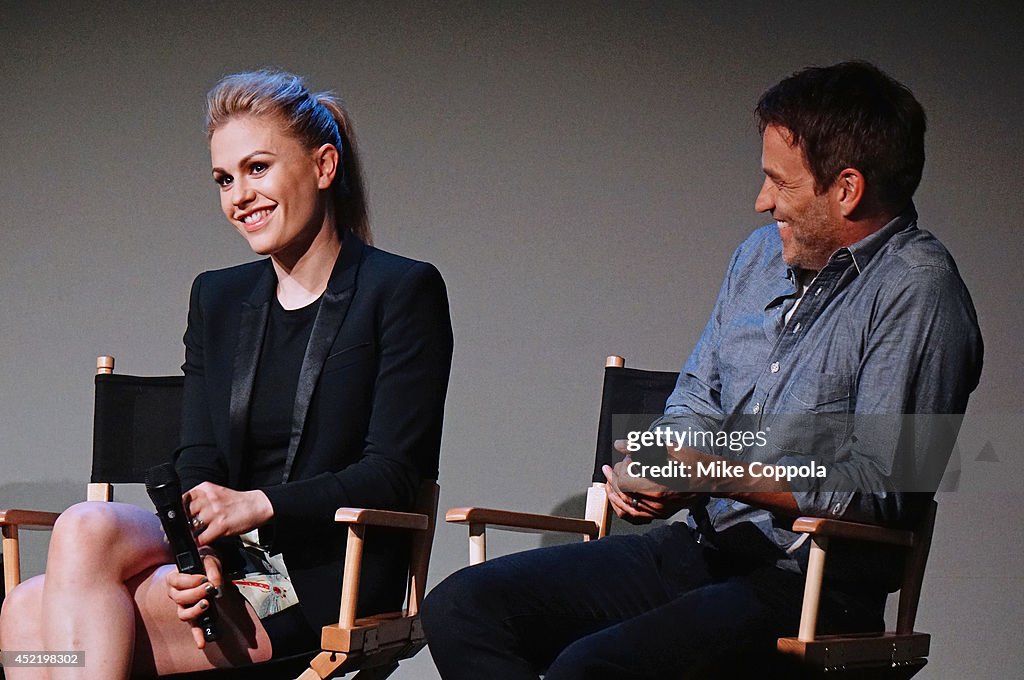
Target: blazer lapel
<point>333,308</point>
<point>252,325</point>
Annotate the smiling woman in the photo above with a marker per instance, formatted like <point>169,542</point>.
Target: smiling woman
<point>277,432</point>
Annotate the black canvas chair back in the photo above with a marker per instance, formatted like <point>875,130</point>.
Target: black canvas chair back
<point>136,425</point>
<point>629,399</point>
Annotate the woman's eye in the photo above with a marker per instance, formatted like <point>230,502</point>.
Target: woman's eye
<point>257,168</point>
<point>224,180</point>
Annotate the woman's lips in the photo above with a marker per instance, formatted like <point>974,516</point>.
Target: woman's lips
<point>256,219</point>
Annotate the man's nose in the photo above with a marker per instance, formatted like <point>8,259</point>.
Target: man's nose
<point>765,201</point>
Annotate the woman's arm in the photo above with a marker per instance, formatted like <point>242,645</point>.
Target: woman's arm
<point>197,459</point>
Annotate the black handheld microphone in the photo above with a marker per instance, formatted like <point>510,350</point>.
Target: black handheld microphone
<point>164,489</point>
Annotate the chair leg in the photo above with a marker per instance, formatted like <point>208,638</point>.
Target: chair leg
<point>377,672</point>
<point>323,665</point>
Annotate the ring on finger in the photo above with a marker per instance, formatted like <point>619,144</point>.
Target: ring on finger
<point>634,502</point>
<point>197,523</point>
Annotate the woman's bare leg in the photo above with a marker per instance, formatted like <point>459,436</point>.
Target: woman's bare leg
<point>164,644</point>
<point>20,629</point>
<point>104,594</point>
<point>95,549</point>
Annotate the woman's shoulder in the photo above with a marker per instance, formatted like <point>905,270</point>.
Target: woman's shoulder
<point>386,269</point>
<point>231,282</point>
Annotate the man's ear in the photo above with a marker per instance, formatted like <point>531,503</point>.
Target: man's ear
<point>326,158</point>
<point>849,189</point>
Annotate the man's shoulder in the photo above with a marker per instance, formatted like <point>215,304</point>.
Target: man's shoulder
<point>920,248</point>
<point>763,238</point>
<point>916,257</point>
<point>761,250</point>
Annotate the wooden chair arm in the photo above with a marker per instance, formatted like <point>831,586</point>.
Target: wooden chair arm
<point>11,521</point>
<point>28,519</point>
<point>508,519</point>
<point>357,520</point>
<point>821,530</point>
<point>382,518</point>
<point>479,519</point>
<point>818,526</point>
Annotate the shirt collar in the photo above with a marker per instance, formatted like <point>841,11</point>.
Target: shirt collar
<point>863,250</point>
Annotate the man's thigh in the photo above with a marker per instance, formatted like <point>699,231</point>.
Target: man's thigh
<point>551,597</point>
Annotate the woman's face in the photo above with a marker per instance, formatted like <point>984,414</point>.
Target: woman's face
<point>272,188</point>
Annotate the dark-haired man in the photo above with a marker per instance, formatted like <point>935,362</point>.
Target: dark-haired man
<point>841,308</point>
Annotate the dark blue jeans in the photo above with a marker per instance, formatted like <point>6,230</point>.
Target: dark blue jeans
<point>655,606</point>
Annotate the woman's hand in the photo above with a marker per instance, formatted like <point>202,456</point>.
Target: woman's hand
<point>193,593</point>
<point>217,511</point>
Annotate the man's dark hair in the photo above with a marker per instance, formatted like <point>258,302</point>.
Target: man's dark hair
<point>852,115</point>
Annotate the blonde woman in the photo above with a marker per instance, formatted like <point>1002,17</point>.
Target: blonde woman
<point>314,378</point>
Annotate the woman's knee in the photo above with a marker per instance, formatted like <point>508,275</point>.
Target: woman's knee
<point>89,522</point>
<point>21,611</point>
<point>94,537</point>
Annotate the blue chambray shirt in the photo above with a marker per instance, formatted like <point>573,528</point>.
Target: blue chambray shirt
<point>886,327</point>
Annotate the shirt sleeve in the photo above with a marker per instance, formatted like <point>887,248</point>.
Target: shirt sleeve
<point>921,359</point>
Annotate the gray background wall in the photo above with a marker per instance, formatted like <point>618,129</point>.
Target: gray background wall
<point>579,172</point>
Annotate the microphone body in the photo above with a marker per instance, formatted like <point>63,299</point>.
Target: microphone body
<point>164,489</point>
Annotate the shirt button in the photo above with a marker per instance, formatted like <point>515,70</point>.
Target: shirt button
<point>774,367</point>
<point>837,508</point>
<point>796,328</point>
<point>818,292</point>
<point>757,408</point>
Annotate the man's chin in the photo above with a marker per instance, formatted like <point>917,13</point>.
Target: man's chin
<point>789,257</point>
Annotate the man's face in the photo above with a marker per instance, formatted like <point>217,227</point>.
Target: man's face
<point>809,224</point>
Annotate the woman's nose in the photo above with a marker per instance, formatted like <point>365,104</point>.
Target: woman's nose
<point>241,193</point>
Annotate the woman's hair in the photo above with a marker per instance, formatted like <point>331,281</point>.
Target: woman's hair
<point>314,119</point>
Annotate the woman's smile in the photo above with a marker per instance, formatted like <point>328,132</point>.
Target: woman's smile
<point>254,221</point>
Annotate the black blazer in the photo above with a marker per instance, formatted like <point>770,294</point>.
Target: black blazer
<point>366,425</point>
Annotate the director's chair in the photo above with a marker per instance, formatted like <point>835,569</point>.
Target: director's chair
<point>136,426</point>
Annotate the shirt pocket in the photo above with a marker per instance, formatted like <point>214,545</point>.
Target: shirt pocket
<point>823,393</point>
<point>817,418</point>
<point>348,356</point>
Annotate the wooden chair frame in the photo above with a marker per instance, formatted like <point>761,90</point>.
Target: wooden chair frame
<point>372,645</point>
<point>902,650</point>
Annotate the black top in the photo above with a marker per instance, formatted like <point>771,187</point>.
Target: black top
<point>273,394</point>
